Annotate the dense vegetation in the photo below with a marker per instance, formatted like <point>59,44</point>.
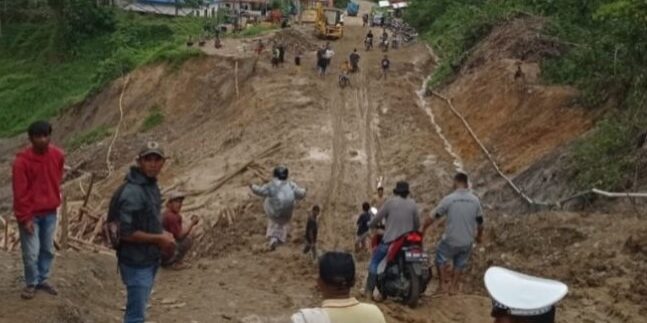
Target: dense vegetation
<point>51,58</point>
<point>606,59</point>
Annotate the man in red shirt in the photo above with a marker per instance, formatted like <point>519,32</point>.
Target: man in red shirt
<point>36,181</point>
<point>172,222</point>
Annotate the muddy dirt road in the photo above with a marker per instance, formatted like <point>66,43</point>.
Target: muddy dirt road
<point>337,143</point>
<point>373,128</point>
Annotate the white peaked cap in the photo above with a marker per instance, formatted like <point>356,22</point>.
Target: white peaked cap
<point>523,295</point>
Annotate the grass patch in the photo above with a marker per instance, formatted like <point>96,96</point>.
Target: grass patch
<point>455,28</point>
<point>87,138</point>
<point>36,81</point>
<point>155,118</point>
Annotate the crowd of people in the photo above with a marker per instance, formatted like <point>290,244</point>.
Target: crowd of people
<point>324,56</point>
<point>150,237</point>
<point>151,232</point>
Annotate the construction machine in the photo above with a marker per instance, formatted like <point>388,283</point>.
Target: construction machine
<point>328,22</point>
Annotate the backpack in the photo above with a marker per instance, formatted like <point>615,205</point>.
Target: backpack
<point>111,226</point>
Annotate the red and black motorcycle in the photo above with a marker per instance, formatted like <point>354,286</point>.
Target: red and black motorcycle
<point>405,273</point>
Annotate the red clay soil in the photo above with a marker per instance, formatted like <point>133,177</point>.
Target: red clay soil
<point>517,118</point>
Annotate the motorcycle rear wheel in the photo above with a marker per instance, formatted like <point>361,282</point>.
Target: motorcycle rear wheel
<point>414,287</point>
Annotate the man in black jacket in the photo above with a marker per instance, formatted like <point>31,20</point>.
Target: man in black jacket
<point>143,240</point>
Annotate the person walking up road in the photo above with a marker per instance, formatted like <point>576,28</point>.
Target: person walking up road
<point>464,225</point>
<point>312,229</point>
<point>280,196</point>
<point>385,64</point>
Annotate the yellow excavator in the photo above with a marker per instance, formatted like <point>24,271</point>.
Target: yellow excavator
<point>328,22</point>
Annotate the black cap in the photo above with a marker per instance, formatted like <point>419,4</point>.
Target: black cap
<point>401,187</point>
<point>337,269</point>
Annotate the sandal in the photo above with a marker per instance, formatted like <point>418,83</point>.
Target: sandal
<point>47,288</point>
<point>28,292</point>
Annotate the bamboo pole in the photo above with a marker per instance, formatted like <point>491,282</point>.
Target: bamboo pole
<point>6,233</point>
<point>241,169</point>
<point>64,223</point>
<point>514,187</point>
<point>87,197</point>
<point>236,79</point>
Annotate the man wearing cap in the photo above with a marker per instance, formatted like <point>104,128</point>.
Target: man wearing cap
<point>172,222</point>
<point>336,278</point>
<point>464,224</point>
<point>401,215</point>
<point>520,298</point>
<point>143,239</point>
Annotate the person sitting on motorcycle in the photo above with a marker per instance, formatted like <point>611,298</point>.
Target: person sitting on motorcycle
<point>280,195</point>
<point>369,38</point>
<point>354,61</point>
<point>335,281</point>
<point>345,69</point>
<point>385,36</point>
<point>402,216</point>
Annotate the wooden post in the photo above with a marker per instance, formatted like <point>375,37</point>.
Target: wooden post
<point>6,234</point>
<point>87,197</point>
<point>64,223</point>
<point>236,79</point>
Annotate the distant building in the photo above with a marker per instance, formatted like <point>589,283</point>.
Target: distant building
<point>168,7</point>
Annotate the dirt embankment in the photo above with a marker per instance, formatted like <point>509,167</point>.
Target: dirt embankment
<point>524,123</point>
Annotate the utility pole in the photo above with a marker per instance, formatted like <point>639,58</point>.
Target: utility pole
<point>238,20</point>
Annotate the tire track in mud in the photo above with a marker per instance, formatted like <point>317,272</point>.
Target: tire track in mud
<point>337,169</point>
<point>354,161</point>
<point>369,136</point>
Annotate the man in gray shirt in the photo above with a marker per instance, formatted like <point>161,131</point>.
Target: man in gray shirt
<point>464,224</point>
<point>401,215</point>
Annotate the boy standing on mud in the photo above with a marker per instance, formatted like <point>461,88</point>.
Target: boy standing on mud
<point>36,178</point>
<point>312,228</point>
<point>379,199</point>
<point>362,227</point>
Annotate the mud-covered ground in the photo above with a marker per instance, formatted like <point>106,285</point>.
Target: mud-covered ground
<point>337,143</point>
